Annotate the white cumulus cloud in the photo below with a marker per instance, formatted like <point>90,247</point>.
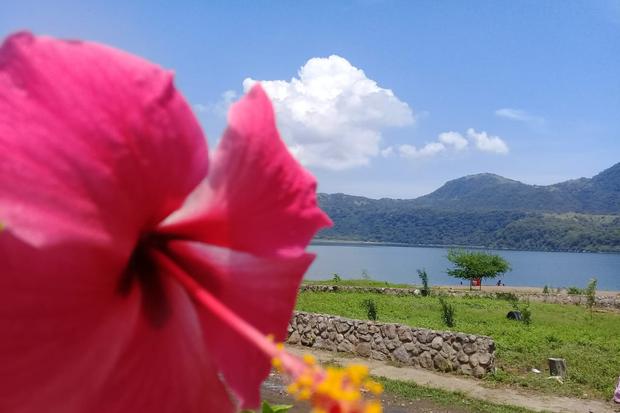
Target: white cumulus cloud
<point>486,142</point>
<point>332,115</point>
<point>454,139</point>
<point>447,142</point>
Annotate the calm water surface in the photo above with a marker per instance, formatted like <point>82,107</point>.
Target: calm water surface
<point>399,264</point>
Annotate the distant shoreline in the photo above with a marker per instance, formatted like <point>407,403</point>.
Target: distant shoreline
<point>491,288</point>
<point>344,242</point>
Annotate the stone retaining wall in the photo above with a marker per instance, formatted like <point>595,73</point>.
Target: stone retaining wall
<point>434,350</point>
<point>602,301</point>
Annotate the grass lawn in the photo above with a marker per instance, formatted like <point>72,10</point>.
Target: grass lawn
<point>590,345</point>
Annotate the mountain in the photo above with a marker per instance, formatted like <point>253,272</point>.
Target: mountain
<point>599,195</point>
<point>488,210</point>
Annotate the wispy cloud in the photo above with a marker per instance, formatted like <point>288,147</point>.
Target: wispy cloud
<point>429,150</point>
<point>219,108</point>
<point>387,152</point>
<point>519,116</point>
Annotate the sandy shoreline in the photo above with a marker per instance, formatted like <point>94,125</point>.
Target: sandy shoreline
<point>517,289</point>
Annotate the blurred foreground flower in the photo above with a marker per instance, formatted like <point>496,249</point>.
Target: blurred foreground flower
<point>129,281</point>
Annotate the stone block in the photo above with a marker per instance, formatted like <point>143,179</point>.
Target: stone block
<point>465,369</point>
<point>437,343</point>
<point>401,355</point>
<point>346,347</point>
<point>414,348</point>
<point>442,364</point>
<point>462,357</point>
<point>479,372</point>
<point>484,359</point>
<point>404,334</point>
<point>342,326</point>
<point>424,336</point>
<point>391,344</point>
<point>377,355</point>
<point>363,349</point>
<point>470,348</point>
<point>426,360</point>
<point>294,338</point>
<point>474,360</point>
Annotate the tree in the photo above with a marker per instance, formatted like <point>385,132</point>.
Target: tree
<point>476,265</point>
<point>424,277</point>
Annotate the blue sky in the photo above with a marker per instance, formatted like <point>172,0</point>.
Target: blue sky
<point>526,89</point>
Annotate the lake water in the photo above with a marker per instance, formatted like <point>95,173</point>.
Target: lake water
<point>399,264</point>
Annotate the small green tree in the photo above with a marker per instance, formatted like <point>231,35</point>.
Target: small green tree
<point>591,295</point>
<point>447,312</point>
<point>371,308</point>
<point>424,278</point>
<point>476,265</point>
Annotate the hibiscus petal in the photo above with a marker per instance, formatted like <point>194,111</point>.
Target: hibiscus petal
<point>260,290</point>
<point>95,143</point>
<point>81,347</point>
<point>257,198</point>
<point>97,146</point>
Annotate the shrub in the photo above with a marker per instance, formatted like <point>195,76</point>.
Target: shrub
<point>510,297</point>
<point>336,278</point>
<point>574,291</point>
<point>554,341</point>
<point>424,278</point>
<point>591,295</point>
<point>546,289</point>
<point>371,308</point>
<point>526,314</point>
<point>447,312</point>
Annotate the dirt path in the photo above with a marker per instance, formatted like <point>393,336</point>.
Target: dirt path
<point>470,387</point>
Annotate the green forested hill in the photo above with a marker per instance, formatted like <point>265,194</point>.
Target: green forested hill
<point>598,195</point>
<point>489,211</point>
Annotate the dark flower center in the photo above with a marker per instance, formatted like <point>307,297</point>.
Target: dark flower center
<point>143,272</point>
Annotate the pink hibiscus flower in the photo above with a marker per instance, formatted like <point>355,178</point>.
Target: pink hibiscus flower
<point>126,271</point>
